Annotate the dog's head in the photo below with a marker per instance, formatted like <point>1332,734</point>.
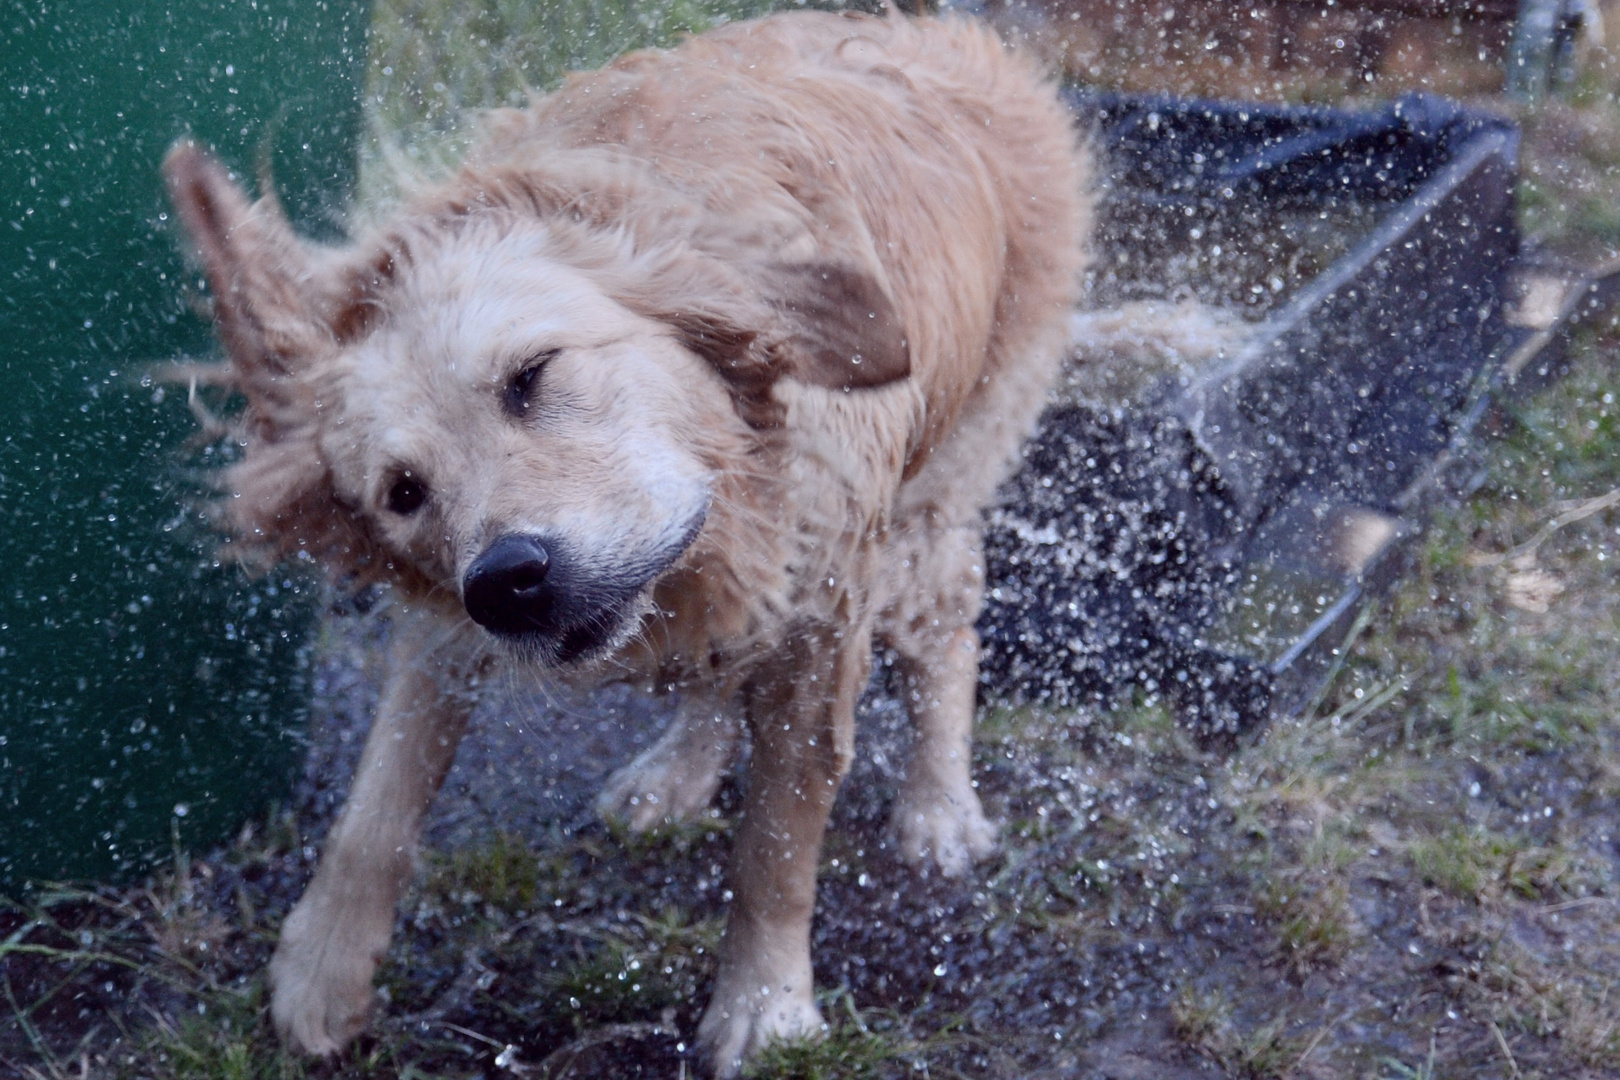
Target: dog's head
<point>530,413</point>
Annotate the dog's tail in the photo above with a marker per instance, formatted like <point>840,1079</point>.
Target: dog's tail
<point>1119,353</point>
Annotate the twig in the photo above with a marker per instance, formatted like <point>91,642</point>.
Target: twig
<point>1316,1040</point>
<point>457,994</point>
<point>471,1034</point>
<point>1506,1052</point>
<point>1580,902</point>
<point>559,1062</point>
<point>1522,556</point>
<point>1321,1033</point>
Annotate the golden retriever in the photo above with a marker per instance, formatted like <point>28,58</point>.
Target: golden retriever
<point>701,369</point>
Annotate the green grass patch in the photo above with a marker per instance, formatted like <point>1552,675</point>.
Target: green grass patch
<point>1314,926</point>
<point>1474,865</point>
<point>501,873</point>
<point>222,1037</point>
<point>633,971</point>
<point>672,840</point>
<point>857,1045</point>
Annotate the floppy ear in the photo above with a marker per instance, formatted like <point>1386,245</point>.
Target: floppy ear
<point>273,304</point>
<point>843,330</point>
<point>259,272</point>
<point>821,323</point>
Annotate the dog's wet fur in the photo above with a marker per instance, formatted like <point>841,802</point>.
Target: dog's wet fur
<point>701,370</point>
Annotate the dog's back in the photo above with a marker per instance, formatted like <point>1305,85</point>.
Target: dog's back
<point>738,120</point>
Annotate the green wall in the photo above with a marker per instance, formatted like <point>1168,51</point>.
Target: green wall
<point>143,687</point>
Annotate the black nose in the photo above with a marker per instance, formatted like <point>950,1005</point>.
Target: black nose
<point>504,589</point>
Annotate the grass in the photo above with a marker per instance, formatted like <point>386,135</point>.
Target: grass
<point>1474,864</point>
<point>503,874</point>
<point>856,1046</point>
<point>1203,1022</point>
<point>1313,921</point>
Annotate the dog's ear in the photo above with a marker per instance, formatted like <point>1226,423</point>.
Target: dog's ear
<point>277,304</point>
<point>821,323</point>
<point>843,330</point>
<point>260,274</point>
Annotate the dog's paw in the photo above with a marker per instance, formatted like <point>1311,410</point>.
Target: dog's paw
<point>321,979</point>
<point>671,782</point>
<point>948,829</point>
<point>743,1020</point>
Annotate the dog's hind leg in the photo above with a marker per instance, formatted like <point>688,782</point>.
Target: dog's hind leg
<point>334,938</point>
<point>801,716</point>
<point>937,816</point>
<point>675,779</point>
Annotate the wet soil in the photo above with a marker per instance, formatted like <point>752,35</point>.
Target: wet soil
<point>1155,910</point>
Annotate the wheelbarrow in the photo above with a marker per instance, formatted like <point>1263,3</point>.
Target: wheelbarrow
<point>1212,536</point>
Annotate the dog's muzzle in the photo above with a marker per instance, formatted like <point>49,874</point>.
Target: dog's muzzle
<point>544,600</point>
<point>505,590</point>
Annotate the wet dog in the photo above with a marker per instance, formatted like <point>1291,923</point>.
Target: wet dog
<point>701,369</point>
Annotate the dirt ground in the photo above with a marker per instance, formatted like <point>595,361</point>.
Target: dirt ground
<point>1419,878</point>
<point>1416,879</point>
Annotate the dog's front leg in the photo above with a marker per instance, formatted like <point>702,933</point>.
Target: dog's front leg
<point>333,940</point>
<point>801,716</point>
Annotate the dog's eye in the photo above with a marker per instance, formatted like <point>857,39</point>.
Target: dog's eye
<point>520,390</point>
<point>406,496</point>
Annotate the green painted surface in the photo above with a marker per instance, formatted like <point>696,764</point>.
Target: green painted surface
<point>143,687</point>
